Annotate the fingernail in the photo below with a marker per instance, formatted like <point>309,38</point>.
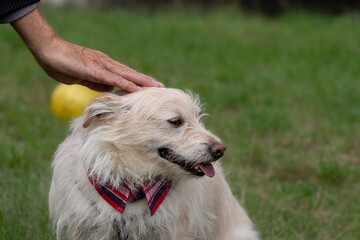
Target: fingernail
<point>138,88</point>
<point>158,83</point>
<point>155,82</point>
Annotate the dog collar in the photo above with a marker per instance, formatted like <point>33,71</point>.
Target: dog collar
<point>154,191</point>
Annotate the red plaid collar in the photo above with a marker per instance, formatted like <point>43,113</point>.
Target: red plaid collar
<point>154,191</point>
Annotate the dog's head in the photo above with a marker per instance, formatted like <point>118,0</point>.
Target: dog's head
<point>148,133</point>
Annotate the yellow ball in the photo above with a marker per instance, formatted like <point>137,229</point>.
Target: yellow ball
<point>69,101</point>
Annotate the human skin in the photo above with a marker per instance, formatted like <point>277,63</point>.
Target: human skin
<point>72,64</point>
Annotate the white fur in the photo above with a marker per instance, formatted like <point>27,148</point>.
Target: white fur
<point>117,138</point>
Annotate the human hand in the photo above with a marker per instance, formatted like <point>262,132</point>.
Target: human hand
<point>72,64</point>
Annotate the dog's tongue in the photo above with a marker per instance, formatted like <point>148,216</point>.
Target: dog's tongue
<point>207,168</point>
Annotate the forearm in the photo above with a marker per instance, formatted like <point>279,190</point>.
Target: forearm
<point>72,64</point>
<point>35,31</point>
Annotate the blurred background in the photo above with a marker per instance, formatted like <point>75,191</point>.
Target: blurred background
<point>279,78</point>
<point>267,7</point>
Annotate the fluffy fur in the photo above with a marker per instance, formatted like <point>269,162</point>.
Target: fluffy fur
<point>118,138</point>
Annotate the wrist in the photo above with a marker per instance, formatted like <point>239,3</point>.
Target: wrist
<point>36,33</point>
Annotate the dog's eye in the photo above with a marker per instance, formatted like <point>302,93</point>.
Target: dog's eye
<point>176,122</point>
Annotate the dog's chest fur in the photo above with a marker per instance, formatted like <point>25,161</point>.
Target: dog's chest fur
<point>170,221</point>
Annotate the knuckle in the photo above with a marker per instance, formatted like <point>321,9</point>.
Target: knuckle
<point>126,84</point>
<point>99,53</point>
<point>104,56</point>
<point>96,75</point>
<point>126,70</point>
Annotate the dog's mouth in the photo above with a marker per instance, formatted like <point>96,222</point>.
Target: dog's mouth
<point>199,169</point>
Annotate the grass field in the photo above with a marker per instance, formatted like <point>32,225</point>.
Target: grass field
<point>283,94</point>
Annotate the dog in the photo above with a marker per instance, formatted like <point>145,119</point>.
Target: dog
<point>141,166</point>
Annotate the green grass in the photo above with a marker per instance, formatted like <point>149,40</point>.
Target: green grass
<point>283,94</point>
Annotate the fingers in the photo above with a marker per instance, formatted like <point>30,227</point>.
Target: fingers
<point>105,77</point>
<point>71,80</point>
<point>96,86</point>
<point>131,75</point>
<point>141,79</point>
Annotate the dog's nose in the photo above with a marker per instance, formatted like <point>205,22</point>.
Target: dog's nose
<point>217,149</point>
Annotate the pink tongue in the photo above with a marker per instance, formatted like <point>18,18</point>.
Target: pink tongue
<point>207,168</point>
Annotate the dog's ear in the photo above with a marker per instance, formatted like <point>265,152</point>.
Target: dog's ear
<point>104,108</point>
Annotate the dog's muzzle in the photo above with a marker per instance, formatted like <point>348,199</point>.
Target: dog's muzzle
<point>199,169</point>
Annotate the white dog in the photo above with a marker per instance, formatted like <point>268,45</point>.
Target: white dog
<point>141,166</point>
